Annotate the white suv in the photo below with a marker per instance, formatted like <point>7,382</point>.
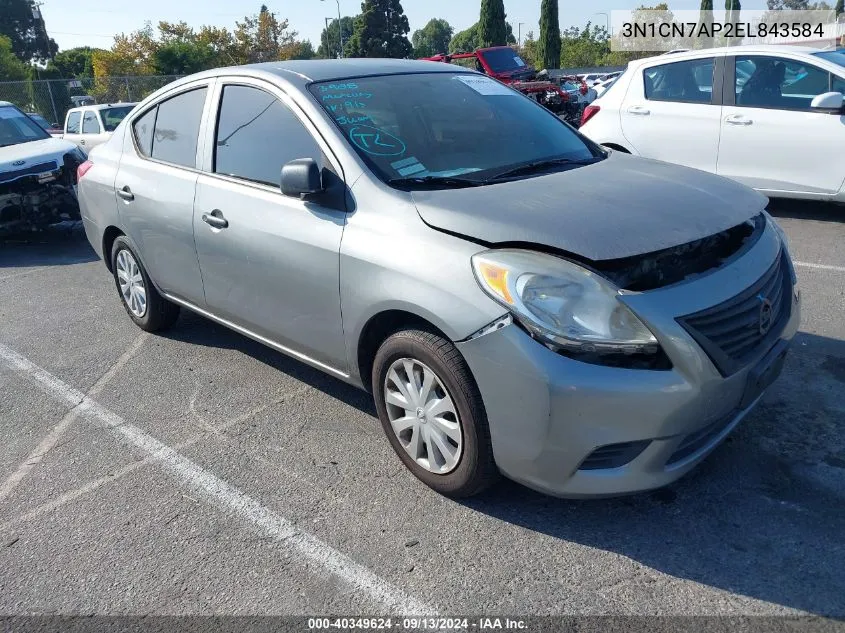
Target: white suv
<point>770,117</point>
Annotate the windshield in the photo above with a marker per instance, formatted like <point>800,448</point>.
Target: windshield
<point>16,127</point>
<point>445,125</point>
<point>113,116</point>
<point>503,60</point>
<point>837,57</point>
<point>40,120</point>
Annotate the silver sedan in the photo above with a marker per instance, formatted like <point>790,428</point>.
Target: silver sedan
<point>517,299</point>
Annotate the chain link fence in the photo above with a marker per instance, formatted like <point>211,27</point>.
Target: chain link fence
<point>51,98</point>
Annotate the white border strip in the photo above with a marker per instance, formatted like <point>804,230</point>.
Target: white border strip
<point>223,495</point>
<point>839,269</point>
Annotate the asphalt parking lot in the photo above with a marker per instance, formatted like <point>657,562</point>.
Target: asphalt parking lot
<point>201,473</point>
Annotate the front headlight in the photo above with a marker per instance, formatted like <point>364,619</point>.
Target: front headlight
<point>561,303</point>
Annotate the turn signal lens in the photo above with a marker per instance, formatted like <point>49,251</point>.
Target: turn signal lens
<point>496,279</point>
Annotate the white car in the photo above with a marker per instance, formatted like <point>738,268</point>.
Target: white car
<point>92,125</point>
<point>770,117</point>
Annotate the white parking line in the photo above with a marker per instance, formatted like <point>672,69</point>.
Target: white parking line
<point>225,496</point>
<point>839,269</point>
<point>52,438</point>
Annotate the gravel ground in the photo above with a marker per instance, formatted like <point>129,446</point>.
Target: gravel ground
<point>215,476</point>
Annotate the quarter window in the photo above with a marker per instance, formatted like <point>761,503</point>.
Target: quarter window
<point>90,124</point>
<point>143,128</point>
<point>775,82</point>
<point>683,82</point>
<point>73,120</point>
<point>177,128</point>
<point>257,134</point>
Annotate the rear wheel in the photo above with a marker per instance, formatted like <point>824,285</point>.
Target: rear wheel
<point>432,413</point>
<point>144,305</point>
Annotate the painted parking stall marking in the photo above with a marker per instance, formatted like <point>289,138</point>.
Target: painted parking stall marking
<point>222,494</point>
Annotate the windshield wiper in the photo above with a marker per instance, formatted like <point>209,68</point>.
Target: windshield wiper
<point>540,165</point>
<point>434,181</point>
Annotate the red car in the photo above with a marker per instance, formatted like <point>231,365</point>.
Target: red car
<point>504,64</point>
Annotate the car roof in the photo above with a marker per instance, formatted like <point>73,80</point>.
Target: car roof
<point>764,49</point>
<point>103,106</point>
<point>303,72</point>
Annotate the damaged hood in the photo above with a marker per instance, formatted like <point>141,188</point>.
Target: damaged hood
<point>33,153</point>
<point>619,207</point>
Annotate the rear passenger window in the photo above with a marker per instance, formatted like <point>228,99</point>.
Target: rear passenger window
<point>257,134</point>
<point>775,82</point>
<point>682,82</point>
<point>177,128</point>
<point>90,124</point>
<point>73,120</point>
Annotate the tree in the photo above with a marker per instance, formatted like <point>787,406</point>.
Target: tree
<point>380,31</point>
<point>11,68</point>
<point>706,18</point>
<point>261,38</point>
<point>22,24</point>
<point>433,38</point>
<point>548,46</point>
<point>529,51</point>
<point>74,62</point>
<point>330,40</point>
<point>732,11</point>
<point>298,49</point>
<point>492,25</point>
<point>840,7</point>
<point>801,5</point>
<point>182,58</point>
<point>468,40</point>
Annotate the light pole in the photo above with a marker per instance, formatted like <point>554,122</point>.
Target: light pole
<point>607,17</point>
<point>339,27</point>
<point>519,37</point>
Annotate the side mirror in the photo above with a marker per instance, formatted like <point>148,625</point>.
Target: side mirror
<point>302,177</point>
<point>831,102</point>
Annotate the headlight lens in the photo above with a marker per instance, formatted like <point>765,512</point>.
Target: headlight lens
<point>562,303</point>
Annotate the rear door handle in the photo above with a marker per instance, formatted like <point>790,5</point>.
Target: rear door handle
<point>126,194</point>
<point>738,119</point>
<point>639,110</point>
<point>215,219</point>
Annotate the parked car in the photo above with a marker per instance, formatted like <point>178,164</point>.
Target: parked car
<point>82,100</point>
<point>601,87</point>
<point>773,122</point>
<point>399,225</point>
<point>89,126</point>
<point>504,64</point>
<point>37,174</point>
<point>52,129</point>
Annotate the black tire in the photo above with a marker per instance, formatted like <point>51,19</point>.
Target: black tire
<point>476,469</point>
<point>160,313</point>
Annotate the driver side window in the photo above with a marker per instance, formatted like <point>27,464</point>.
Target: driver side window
<point>257,134</point>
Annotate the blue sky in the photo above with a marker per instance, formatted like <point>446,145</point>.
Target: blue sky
<point>94,22</point>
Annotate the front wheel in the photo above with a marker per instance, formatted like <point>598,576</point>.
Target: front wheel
<point>432,413</point>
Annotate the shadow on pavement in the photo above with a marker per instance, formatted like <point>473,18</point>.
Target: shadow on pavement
<point>61,245</point>
<point>807,210</point>
<point>197,330</point>
<point>761,517</point>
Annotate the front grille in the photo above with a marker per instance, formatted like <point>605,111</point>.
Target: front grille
<point>702,438</point>
<point>613,455</point>
<point>733,332</point>
<point>40,168</point>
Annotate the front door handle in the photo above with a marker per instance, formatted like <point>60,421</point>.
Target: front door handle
<point>215,219</point>
<point>639,110</point>
<point>738,119</point>
<point>126,194</point>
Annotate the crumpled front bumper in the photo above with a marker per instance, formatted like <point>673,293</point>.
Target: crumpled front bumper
<point>552,418</point>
